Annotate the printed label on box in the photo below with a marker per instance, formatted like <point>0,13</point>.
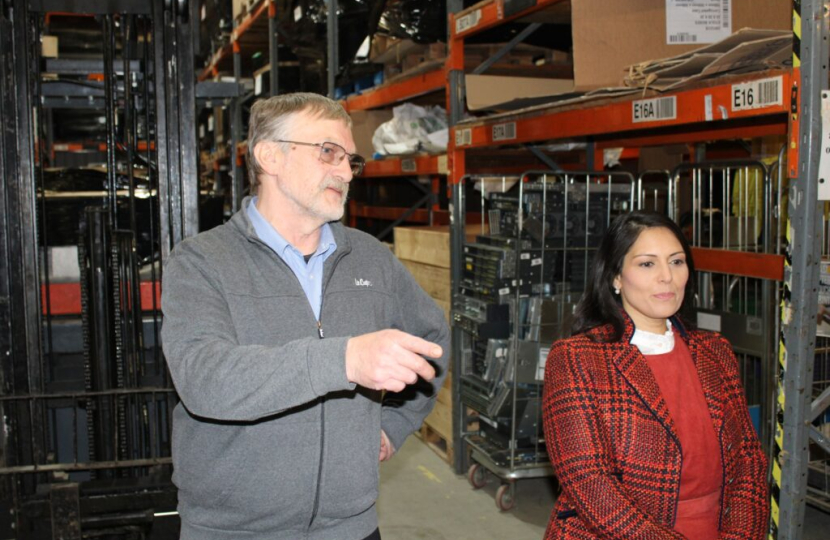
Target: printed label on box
<point>758,94</point>
<point>652,110</point>
<point>408,165</point>
<point>468,21</point>
<point>697,21</point>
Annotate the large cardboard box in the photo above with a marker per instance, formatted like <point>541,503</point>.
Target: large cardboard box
<point>486,91</point>
<point>610,35</point>
<point>364,124</point>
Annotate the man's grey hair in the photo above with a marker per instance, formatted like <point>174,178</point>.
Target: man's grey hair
<point>272,120</point>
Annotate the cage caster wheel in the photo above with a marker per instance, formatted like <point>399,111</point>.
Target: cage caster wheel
<point>477,476</point>
<point>505,499</point>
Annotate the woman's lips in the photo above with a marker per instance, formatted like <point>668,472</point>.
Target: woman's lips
<point>665,296</point>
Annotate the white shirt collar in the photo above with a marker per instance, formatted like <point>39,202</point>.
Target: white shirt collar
<point>651,343</point>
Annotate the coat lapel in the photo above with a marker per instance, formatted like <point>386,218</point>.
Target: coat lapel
<point>634,369</point>
<point>708,372</point>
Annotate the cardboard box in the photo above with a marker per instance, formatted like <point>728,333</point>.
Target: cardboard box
<point>607,36</point>
<point>486,91</point>
<point>364,124</point>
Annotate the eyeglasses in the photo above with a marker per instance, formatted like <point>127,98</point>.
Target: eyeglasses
<point>333,154</point>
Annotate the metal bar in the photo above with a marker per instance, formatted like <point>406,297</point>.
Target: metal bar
<point>186,26</point>
<point>820,439</point>
<point>66,66</point>
<point>85,394</point>
<point>460,457</point>
<point>509,46</point>
<point>801,278</point>
<point>97,7</point>
<point>544,158</point>
<point>236,137</point>
<point>24,298</point>
<point>112,105</point>
<point>333,45</point>
<point>819,405</point>
<point>273,48</point>
<point>217,90</point>
<point>162,165</point>
<point>88,466</point>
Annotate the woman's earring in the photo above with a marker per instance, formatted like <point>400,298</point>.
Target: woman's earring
<point>616,290</point>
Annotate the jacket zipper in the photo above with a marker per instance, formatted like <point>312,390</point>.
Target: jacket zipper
<point>321,335</point>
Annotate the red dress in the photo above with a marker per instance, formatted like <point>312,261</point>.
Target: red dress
<point>702,472</point>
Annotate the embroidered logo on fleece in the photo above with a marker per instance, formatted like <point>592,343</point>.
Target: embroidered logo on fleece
<point>362,283</point>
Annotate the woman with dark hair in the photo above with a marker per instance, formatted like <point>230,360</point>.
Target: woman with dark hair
<point>645,418</point>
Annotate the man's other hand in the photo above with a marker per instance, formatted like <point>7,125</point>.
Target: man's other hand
<point>389,360</point>
<point>387,449</point>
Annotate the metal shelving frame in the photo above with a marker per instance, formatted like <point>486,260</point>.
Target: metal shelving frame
<point>609,123</point>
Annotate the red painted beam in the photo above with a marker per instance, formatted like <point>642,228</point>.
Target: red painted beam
<point>65,298</point>
<point>739,263</point>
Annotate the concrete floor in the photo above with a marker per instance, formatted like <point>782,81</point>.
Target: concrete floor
<point>422,499</point>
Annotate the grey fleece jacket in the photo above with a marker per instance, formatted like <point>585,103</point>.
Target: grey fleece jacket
<point>270,441</point>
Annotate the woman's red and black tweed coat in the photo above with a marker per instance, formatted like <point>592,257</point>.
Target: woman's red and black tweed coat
<point>614,448</point>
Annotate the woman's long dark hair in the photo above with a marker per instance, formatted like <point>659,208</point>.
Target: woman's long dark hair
<point>599,305</point>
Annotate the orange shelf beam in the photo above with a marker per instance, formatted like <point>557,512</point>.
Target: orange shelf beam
<point>249,21</point>
<point>405,166</point>
<point>486,15</point>
<point>387,94</point>
<point>218,56</point>
<point>742,263</point>
<point>65,298</point>
<point>617,117</point>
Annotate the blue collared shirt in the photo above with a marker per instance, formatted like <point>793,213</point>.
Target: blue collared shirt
<point>310,275</point>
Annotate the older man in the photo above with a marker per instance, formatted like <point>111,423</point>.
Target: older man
<point>281,329</point>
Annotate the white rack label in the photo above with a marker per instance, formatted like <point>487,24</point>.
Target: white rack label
<point>408,165</point>
<point>758,94</point>
<point>697,21</point>
<point>543,360</point>
<point>443,167</point>
<point>504,132</point>
<point>652,110</point>
<point>470,20</point>
<point>463,137</point>
<point>824,158</point>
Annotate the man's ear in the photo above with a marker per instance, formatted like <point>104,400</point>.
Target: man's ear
<point>269,156</point>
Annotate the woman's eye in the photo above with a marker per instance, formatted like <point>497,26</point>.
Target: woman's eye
<point>647,264</point>
<point>678,262</point>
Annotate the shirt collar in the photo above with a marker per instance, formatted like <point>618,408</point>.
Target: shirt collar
<point>273,239</point>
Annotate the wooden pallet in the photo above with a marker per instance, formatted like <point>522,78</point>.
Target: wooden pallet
<point>436,442</point>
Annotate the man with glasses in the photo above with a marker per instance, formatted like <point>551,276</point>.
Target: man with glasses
<point>282,329</point>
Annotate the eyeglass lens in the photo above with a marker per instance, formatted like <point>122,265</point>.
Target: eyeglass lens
<point>333,154</point>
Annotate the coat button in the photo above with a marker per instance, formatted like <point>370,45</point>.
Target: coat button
<point>726,511</point>
<point>729,481</point>
<point>729,447</point>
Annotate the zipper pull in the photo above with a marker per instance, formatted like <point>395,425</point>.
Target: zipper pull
<point>320,329</point>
